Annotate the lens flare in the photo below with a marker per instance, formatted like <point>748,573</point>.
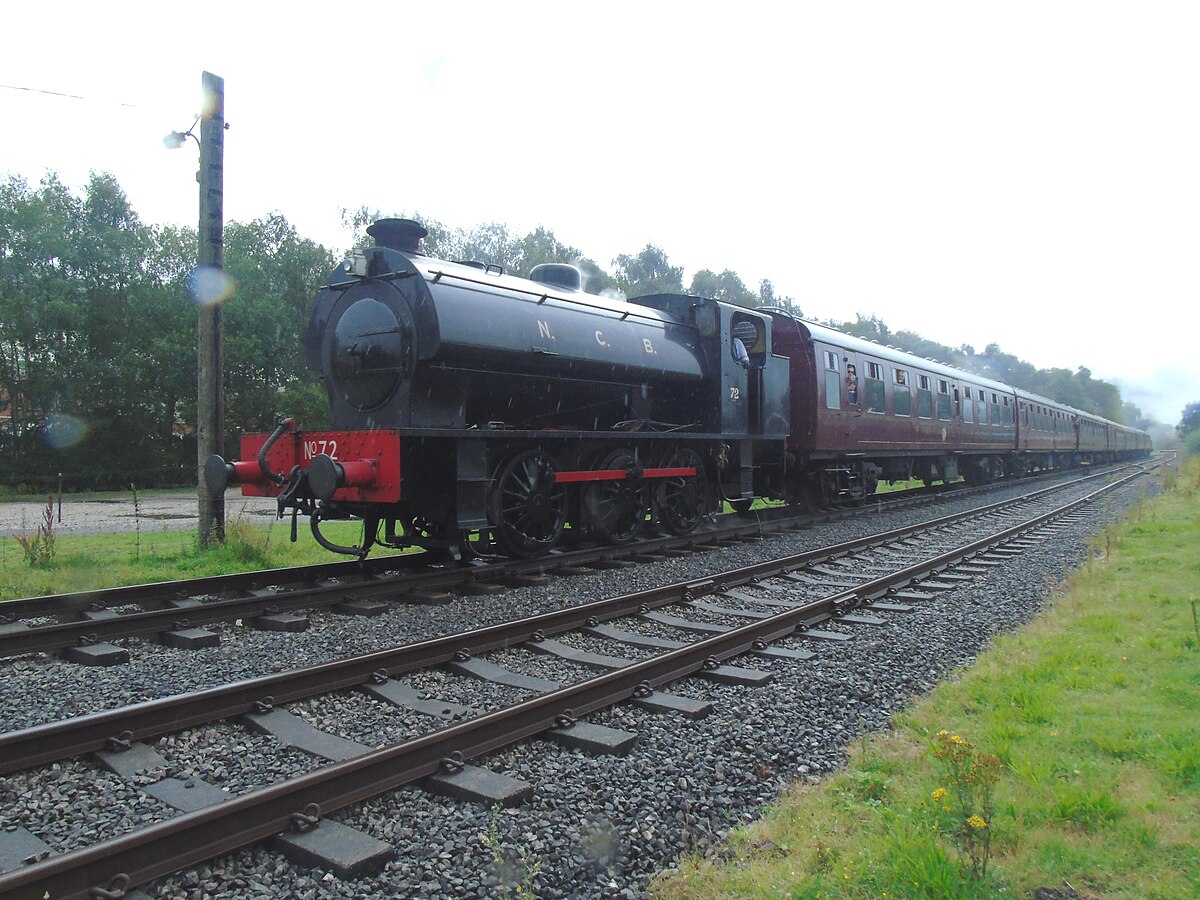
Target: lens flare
<point>210,285</point>
<point>60,432</point>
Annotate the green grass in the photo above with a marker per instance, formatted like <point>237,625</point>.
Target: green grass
<point>89,562</point>
<point>1093,712</point>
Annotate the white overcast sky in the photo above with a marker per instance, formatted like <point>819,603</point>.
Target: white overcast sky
<point>1026,173</point>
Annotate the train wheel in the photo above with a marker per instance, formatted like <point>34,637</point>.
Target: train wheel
<point>616,510</point>
<point>682,501</point>
<point>527,508</point>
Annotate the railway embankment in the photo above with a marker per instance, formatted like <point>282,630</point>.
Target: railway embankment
<point>1063,763</point>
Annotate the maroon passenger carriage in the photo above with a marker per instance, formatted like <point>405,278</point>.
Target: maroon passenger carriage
<point>862,412</point>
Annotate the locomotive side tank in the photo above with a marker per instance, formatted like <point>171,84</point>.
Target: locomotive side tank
<point>411,342</point>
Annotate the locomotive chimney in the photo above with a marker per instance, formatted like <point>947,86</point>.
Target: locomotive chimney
<point>398,234</point>
<point>558,275</point>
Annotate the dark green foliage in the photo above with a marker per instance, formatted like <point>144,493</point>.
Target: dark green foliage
<point>726,287</point>
<point>277,275</point>
<point>98,335</point>
<point>1189,420</point>
<point>648,272</point>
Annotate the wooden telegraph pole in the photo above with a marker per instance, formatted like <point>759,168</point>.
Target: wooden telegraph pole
<point>210,374</point>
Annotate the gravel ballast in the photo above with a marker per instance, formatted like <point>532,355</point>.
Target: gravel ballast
<point>596,826</point>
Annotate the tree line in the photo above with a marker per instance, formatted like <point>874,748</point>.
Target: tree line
<point>97,329</point>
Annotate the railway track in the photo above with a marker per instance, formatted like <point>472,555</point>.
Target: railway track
<point>83,626</point>
<point>641,641</point>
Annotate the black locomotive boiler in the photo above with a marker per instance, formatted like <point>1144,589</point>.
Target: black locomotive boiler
<point>464,401</point>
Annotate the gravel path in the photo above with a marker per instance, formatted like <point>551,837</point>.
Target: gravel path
<point>154,511</point>
<point>596,827</point>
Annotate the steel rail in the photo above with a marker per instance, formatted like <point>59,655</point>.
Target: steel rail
<point>154,593</point>
<point>155,621</point>
<point>157,595</point>
<point>191,838</point>
<point>54,741</point>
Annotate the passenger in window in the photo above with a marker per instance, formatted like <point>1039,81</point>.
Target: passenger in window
<point>851,384</point>
<point>743,332</point>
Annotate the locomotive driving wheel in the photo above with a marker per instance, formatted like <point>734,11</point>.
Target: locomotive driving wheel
<point>527,507</point>
<point>616,510</point>
<point>682,500</point>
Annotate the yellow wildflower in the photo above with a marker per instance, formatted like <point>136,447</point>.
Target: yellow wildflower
<point>939,794</point>
<point>976,822</point>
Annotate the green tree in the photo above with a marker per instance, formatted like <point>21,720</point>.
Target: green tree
<point>648,272</point>
<point>1188,428</point>
<point>82,308</point>
<point>1189,419</point>
<point>768,297</point>
<point>277,273</point>
<point>727,287</point>
<point>1132,415</point>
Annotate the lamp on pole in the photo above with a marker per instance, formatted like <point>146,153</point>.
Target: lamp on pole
<point>209,286</point>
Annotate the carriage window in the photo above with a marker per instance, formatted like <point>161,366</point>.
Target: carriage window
<point>943,400</point>
<point>1008,413</point>
<point>901,400</point>
<point>833,382</point>
<point>876,398</point>
<point>924,398</point>
<point>996,408</point>
<point>968,406</point>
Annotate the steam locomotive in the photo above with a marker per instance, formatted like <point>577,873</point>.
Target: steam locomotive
<point>465,401</point>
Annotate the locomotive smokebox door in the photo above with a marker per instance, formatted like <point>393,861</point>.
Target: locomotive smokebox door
<point>369,352</point>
